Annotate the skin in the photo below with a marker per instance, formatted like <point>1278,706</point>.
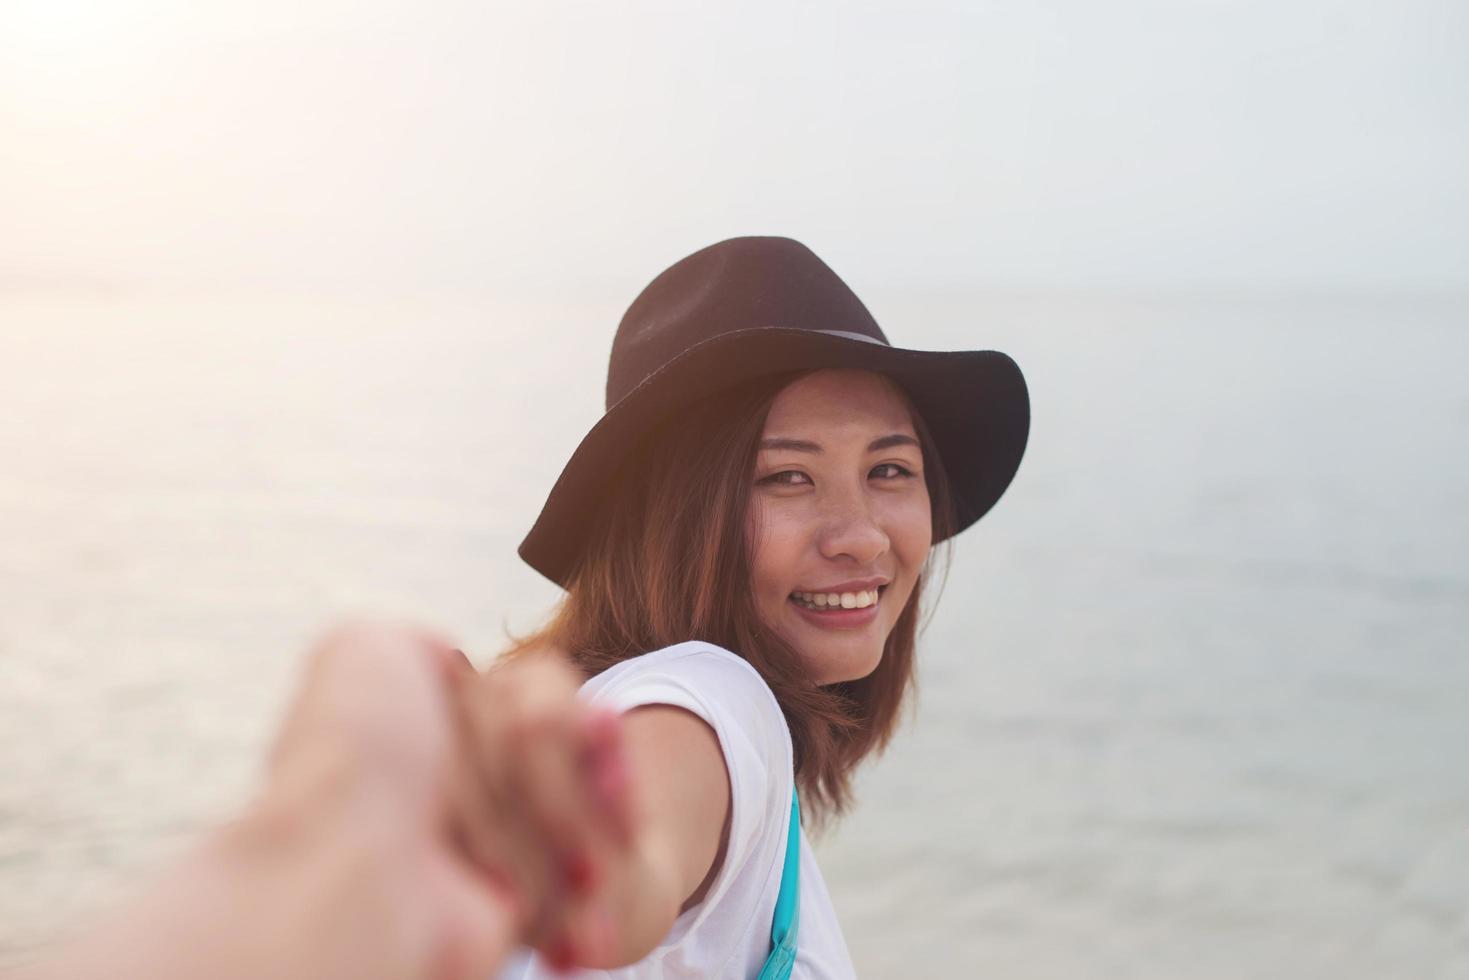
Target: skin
<point>671,797</point>
<point>829,508</point>
<point>351,862</point>
<point>678,800</point>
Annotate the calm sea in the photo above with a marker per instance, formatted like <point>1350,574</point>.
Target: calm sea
<point>1195,702</point>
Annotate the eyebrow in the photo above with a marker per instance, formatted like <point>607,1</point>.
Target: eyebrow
<point>802,446</point>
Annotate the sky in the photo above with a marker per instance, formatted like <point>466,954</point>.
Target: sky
<point>321,144</point>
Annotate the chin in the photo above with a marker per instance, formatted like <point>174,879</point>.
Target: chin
<point>846,666</point>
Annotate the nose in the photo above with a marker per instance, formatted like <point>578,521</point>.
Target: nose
<point>851,530</point>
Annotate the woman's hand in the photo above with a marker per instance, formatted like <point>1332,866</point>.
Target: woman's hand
<point>607,825</point>
<point>553,813</point>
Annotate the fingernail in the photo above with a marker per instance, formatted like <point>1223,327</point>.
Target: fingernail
<point>562,956</point>
<point>580,873</point>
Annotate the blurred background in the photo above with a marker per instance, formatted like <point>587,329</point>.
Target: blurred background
<point>304,305</point>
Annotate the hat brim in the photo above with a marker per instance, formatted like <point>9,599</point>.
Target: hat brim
<point>975,405</point>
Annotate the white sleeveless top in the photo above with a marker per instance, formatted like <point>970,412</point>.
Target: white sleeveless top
<point>727,935</point>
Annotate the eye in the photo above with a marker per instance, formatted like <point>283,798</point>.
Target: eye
<point>891,471</point>
<point>785,478</point>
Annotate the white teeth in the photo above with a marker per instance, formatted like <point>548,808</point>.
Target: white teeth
<point>831,600</point>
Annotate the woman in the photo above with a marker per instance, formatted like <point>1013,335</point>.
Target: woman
<point>744,538</point>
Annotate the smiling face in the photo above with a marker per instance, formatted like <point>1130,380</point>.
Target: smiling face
<point>842,519</point>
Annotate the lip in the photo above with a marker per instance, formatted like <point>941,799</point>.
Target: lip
<point>855,585</point>
<point>838,619</point>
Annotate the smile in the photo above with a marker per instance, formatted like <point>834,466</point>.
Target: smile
<point>849,611</point>
<point>837,600</point>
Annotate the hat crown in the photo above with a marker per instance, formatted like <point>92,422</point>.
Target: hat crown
<point>737,284</point>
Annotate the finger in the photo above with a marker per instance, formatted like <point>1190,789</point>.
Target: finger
<point>475,820</point>
<point>605,770</point>
<point>548,777</point>
<point>480,923</point>
<point>509,856</point>
<point>588,936</point>
<point>547,784</point>
<point>574,751</point>
<point>352,669</point>
<point>518,712</point>
<point>581,931</point>
<point>369,699</point>
<point>544,761</point>
<point>542,756</point>
<point>497,831</point>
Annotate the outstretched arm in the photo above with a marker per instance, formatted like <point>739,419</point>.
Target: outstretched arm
<point>352,863</point>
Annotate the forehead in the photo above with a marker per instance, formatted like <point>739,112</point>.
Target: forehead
<point>834,397</point>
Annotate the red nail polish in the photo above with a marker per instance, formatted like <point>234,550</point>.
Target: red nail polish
<point>580,873</point>
<point>562,956</point>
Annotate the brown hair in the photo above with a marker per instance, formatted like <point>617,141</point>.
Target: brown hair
<point>670,560</point>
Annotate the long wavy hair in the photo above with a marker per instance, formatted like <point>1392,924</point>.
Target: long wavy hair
<point>671,559</point>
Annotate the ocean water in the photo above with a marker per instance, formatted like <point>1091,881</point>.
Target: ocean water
<point>1194,702</point>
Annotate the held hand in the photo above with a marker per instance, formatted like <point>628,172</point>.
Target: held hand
<point>555,810</point>
<point>370,759</point>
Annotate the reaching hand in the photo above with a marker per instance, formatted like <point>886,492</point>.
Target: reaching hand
<point>557,811</point>
<point>383,845</point>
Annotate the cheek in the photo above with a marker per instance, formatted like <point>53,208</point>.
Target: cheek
<point>910,530</point>
<point>772,555</point>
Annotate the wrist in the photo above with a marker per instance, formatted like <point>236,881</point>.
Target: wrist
<point>240,903</point>
<point>309,889</point>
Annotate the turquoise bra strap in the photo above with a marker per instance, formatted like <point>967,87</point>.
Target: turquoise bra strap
<point>787,904</point>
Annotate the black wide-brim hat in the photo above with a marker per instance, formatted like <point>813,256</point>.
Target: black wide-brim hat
<point>749,307</point>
